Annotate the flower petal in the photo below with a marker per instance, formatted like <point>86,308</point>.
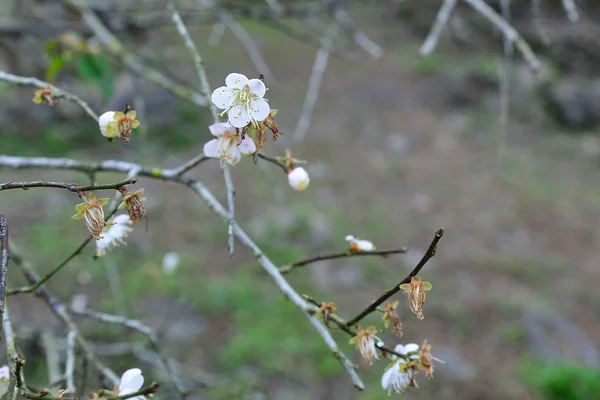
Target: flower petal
<point>221,128</point>
<point>259,110</point>
<point>235,156</point>
<point>236,81</point>
<point>411,347</point>
<point>221,97</point>
<point>247,146</point>
<point>238,116</point>
<point>212,148</point>
<point>387,375</point>
<point>132,379</point>
<point>257,87</point>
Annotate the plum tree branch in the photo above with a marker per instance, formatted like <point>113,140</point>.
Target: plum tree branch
<point>73,187</point>
<point>389,293</point>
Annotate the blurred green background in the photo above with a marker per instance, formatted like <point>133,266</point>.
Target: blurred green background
<point>397,148</point>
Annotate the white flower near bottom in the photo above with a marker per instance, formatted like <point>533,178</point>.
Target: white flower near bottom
<point>113,234</point>
<point>359,245</point>
<point>131,381</point>
<point>395,378</point>
<point>242,100</point>
<point>298,179</point>
<point>228,146</point>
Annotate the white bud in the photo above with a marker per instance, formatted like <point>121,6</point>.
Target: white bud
<point>299,178</point>
<point>104,120</point>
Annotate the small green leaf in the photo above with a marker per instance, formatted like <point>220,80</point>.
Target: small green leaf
<point>97,70</point>
<point>56,64</point>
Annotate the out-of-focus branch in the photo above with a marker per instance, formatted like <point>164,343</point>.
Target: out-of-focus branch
<point>389,293</point>
<point>118,49</point>
<point>144,330</point>
<point>272,161</point>
<point>382,253</point>
<point>507,30</point>
<point>69,186</point>
<point>571,10</point>
<point>70,363</point>
<point>314,84</point>
<point>56,93</point>
<point>249,44</point>
<point>441,20</point>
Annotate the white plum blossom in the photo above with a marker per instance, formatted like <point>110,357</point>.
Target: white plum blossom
<point>228,146</point>
<point>298,178</point>
<point>395,377</point>
<point>170,262</point>
<point>104,120</point>
<point>359,245</point>
<point>113,234</point>
<point>131,381</point>
<point>242,99</point>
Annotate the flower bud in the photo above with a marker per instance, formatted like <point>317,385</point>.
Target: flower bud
<point>103,121</point>
<point>298,178</point>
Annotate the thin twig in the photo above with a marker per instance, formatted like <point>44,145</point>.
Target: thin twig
<point>73,187</point>
<point>55,92</point>
<point>441,20</point>
<point>3,259</point>
<point>249,44</point>
<point>571,10</point>
<point>141,328</point>
<point>314,83</point>
<point>70,363</point>
<point>188,165</point>
<point>507,30</point>
<point>382,253</point>
<point>345,21</point>
<point>206,91</point>
<point>389,293</point>
<point>273,161</point>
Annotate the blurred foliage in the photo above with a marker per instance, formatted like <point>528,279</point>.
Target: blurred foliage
<point>561,381</point>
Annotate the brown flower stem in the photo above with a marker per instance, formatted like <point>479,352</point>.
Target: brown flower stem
<point>389,293</point>
<point>69,186</point>
<point>382,253</point>
<point>274,161</point>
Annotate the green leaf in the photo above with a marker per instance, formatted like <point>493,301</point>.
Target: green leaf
<point>56,64</point>
<point>97,70</point>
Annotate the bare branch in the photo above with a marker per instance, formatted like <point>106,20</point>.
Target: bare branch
<point>381,253</point>
<point>571,10</point>
<point>312,93</point>
<point>441,20</point>
<point>507,30</point>
<point>3,259</point>
<point>70,363</point>
<point>69,186</point>
<point>57,93</point>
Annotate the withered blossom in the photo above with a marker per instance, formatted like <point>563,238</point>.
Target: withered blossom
<point>93,214</point>
<point>416,294</point>
<point>325,312</point>
<point>390,316</point>
<point>134,204</point>
<point>365,341</point>
<point>43,96</point>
